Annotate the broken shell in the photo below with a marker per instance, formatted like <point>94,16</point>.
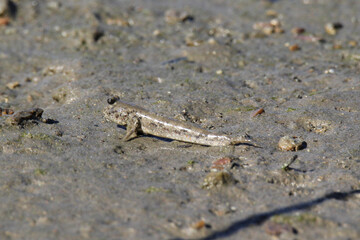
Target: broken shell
<point>288,143</point>
<point>13,85</point>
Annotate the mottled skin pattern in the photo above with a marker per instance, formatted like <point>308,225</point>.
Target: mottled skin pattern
<point>139,121</point>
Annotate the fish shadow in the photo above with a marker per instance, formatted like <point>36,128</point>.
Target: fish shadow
<point>260,218</point>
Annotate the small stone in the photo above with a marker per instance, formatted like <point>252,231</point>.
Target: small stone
<point>212,41</point>
<point>294,47</point>
<point>337,46</point>
<point>29,98</point>
<point>4,21</point>
<point>241,63</point>
<point>185,17</point>
<point>199,225</point>
<point>3,6</point>
<point>156,32</point>
<point>42,220</point>
<point>268,28</point>
<point>13,85</point>
<point>271,13</point>
<point>297,31</point>
<point>329,71</point>
<point>172,16</point>
<point>192,43</point>
<point>288,143</point>
<point>218,165</point>
<point>257,112</point>
<point>85,231</point>
<point>331,28</point>
<point>54,5</point>
<point>118,21</point>
<point>352,43</point>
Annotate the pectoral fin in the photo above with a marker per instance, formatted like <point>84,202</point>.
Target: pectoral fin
<point>243,139</point>
<point>132,128</point>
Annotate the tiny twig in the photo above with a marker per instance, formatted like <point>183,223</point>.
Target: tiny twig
<point>286,166</point>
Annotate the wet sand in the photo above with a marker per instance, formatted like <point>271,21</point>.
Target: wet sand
<point>68,175</point>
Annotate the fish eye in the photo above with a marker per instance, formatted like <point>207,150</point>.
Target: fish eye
<point>112,100</point>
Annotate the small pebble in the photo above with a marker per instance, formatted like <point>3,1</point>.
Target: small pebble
<point>172,16</point>
<point>329,71</point>
<point>218,165</point>
<point>212,41</point>
<point>4,21</point>
<point>192,43</point>
<point>268,28</point>
<point>199,225</point>
<point>3,6</point>
<point>13,85</point>
<point>119,22</point>
<point>54,5</point>
<point>271,13</point>
<point>257,112</point>
<point>288,143</point>
<point>297,31</point>
<point>156,32</point>
<point>331,28</point>
<point>294,47</point>
<point>352,43</point>
<point>29,98</point>
<point>337,46</point>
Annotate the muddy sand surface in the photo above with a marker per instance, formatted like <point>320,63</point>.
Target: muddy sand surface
<point>66,174</point>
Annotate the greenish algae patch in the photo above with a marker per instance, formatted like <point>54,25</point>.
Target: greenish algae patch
<point>245,109</point>
<point>191,162</point>
<point>40,172</point>
<point>155,190</point>
<point>291,109</point>
<point>38,136</point>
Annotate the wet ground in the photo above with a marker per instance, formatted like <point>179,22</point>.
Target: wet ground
<point>66,174</point>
